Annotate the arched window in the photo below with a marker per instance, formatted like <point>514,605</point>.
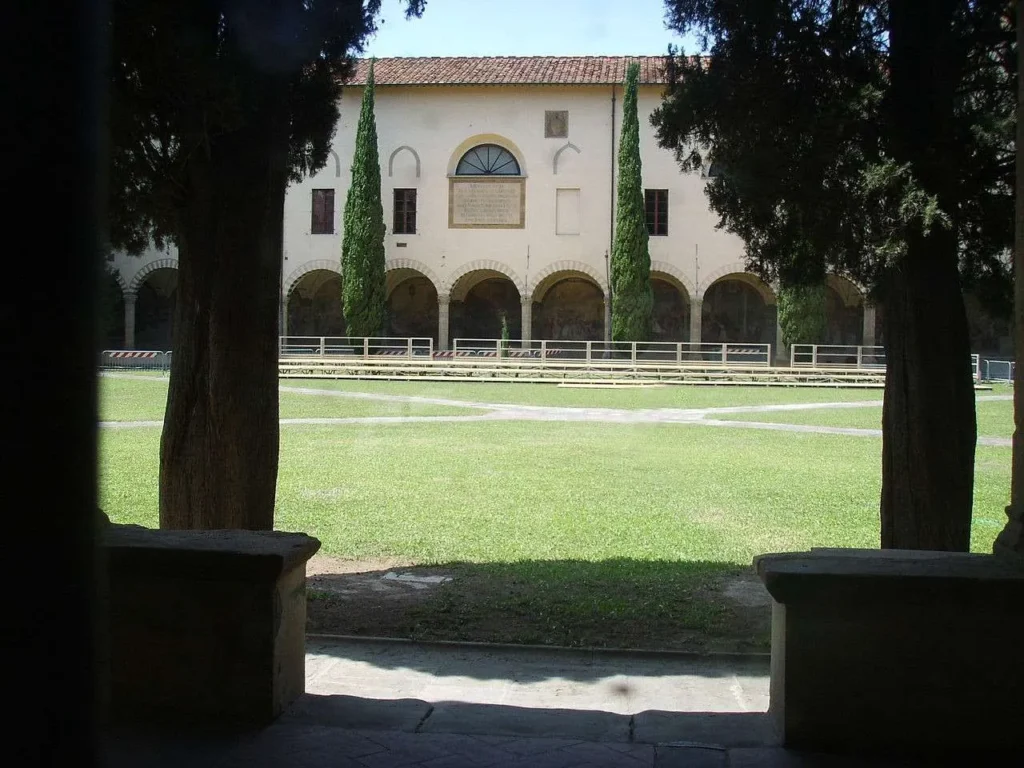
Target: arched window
<point>488,160</point>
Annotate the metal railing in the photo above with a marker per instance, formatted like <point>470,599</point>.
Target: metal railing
<point>997,370</point>
<point>836,356</point>
<point>135,360</point>
<point>851,356</point>
<point>821,356</point>
<point>629,352</point>
<point>352,346</point>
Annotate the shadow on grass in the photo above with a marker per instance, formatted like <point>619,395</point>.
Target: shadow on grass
<point>620,603</point>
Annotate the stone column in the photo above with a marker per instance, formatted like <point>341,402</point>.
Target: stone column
<point>869,325</point>
<point>527,332</point>
<point>129,320</point>
<point>781,350</point>
<point>442,321</point>
<point>607,318</point>
<point>696,307</point>
<point>283,330</point>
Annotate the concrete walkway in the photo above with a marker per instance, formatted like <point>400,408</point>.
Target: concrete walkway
<point>604,416</point>
<point>612,682</point>
<point>389,703</point>
<point>511,412</point>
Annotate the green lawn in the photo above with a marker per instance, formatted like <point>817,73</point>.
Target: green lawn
<point>594,534</point>
<point>670,396</point>
<point>523,490</point>
<point>135,400</point>
<point>995,418</point>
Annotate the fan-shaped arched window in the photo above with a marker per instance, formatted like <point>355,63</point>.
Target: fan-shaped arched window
<point>488,160</point>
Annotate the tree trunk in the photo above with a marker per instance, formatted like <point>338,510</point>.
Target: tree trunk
<point>219,450</point>
<point>928,421</point>
<point>1011,538</point>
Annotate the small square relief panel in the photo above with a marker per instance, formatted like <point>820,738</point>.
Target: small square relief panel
<point>556,124</point>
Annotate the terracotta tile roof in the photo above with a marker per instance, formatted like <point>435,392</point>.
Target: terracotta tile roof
<point>509,70</point>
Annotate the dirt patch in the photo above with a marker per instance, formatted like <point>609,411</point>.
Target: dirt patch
<point>748,591</point>
<point>618,605</point>
<point>325,564</point>
<point>386,579</point>
<point>392,585</point>
<point>749,606</point>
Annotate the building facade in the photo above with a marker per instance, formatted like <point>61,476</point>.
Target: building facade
<point>498,184</point>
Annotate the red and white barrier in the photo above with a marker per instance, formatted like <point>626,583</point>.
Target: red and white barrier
<point>135,359</point>
<point>131,355</point>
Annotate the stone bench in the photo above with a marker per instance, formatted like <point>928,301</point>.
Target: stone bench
<point>204,626</point>
<point>896,651</point>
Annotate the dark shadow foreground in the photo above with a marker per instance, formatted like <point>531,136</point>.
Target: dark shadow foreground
<point>332,731</point>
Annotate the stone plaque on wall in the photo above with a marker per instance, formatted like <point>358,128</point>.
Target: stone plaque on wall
<point>481,203</point>
<point>556,124</point>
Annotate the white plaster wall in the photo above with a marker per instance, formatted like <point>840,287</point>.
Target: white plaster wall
<point>435,121</point>
<point>694,245</point>
<point>133,269</point>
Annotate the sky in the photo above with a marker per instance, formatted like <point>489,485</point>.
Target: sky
<point>526,28</point>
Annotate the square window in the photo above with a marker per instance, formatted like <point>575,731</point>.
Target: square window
<point>656,209</point>
<point>556,124</point>
<point>323,212</point>
<point>405,212</point>
<point>567,211</point>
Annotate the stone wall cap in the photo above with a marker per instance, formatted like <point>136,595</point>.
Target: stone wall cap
<point>790,574</point>
<point>220,554</point>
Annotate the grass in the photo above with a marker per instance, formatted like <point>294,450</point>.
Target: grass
<point>599,534</point>
<point>138,400</point>
<point>451,492</point>
<point>671,396</point>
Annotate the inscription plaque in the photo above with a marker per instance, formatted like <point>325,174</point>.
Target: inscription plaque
<point>486,204</point>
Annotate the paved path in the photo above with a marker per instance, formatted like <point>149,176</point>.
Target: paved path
<point>620,683</point>
<point>423,400</point>
<point>372,703</point>
<point>513,412</point>
<point>684,412</point>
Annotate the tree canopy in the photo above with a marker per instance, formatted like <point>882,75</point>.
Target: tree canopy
<point>183,73</point>
<point>790,103</point>
<point>873,139</point>
<point>215,106</point>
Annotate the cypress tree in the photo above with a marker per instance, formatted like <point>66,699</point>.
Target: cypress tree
<point>505,335</point>
<point>802,313</point>
<point>632,297</point>
<point>362,246</point>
